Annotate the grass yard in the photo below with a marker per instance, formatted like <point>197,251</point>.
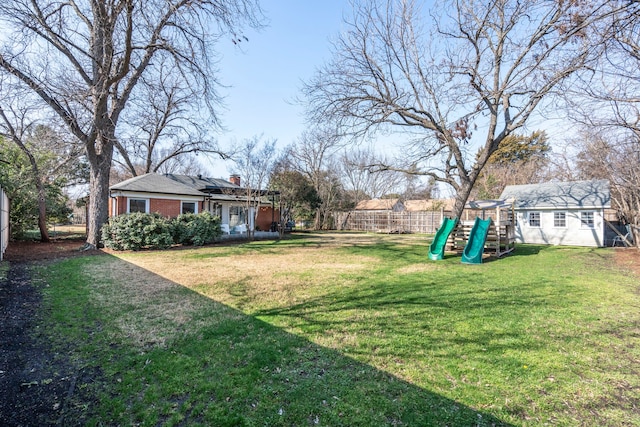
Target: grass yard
<point>351,329</point>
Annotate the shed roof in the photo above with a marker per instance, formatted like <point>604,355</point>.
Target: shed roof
<point>560,195</point>
<point>156,183</point>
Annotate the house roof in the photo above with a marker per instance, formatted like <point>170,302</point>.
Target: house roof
<point>560,195</point>
<point>428,205</point>
<point>204,184</point>
<point>185,185</point>
<point>156,183</point>
<point>376,204</point>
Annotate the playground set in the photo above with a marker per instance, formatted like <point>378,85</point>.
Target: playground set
<point>492,232</point>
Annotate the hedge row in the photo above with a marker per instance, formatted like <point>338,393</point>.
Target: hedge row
<point>137,231</point>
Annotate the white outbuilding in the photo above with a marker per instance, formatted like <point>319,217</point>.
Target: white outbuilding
<point>560,213</point>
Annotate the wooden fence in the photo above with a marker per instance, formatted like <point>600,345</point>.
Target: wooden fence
<point>426,222</point>
<point>4,222</point>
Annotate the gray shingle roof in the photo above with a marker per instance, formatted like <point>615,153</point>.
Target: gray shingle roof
<point>202,183</point>
<point>156,183</point>
<point>560,195</point>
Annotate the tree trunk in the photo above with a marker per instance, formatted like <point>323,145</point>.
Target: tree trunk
<point>42,211</point>
<point>99,155</point>
<point>37,179</point>
<point>98,204</point>
<point>464,190</point>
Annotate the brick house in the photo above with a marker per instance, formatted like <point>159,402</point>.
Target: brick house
<point>171,195</point>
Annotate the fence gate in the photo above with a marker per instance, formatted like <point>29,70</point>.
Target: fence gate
<point>4,222</point>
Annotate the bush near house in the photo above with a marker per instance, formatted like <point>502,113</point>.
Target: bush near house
<point>196,229</point>
<point>137,231</point>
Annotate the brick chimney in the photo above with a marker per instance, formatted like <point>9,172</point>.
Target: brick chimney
<point>235,179</point>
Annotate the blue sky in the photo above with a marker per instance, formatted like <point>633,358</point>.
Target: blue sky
<point>264,75</point>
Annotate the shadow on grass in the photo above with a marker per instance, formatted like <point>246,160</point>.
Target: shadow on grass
<point>455,312</point>
<point>527,250</point>
<point>218,366</point>
<point>393,251</point>
<point>353,240</point>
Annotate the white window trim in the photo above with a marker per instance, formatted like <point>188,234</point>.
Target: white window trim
<point>565,220</point>
<point>182,202</point>
<point>146,203</point>
<point>539,219</point>
<point>593,219</point>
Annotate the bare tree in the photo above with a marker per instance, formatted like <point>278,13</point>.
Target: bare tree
<point>605,102</point>
<point>313,154</point>
<point>85,59</point>
<point>166,122</point>
<point>416,188</point>
<point>614,156</point>
<point>359,175</point>
<point>460,89</point>
<point>185,164</point>
<point>16,133</point>
<point>254,162</point>
<point>48,152</point>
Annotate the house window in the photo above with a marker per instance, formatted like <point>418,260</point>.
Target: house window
<point>586,219</point>
<point>215,209</point>
<point>236,215</point>
<point>560,219</point>
<point>138,205</point>
<point>188,208</point>
<point>534,219</point>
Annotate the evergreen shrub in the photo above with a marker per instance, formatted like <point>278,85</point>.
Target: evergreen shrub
<point>137,231</point>
<point>196,229</point>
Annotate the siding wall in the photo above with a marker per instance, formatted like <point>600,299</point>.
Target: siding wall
<point>573,234</point>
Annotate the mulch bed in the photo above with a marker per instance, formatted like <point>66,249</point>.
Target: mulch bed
<point>37,251</point>
<point>37,382</point>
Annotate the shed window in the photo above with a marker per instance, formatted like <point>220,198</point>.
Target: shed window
<point>188,208</point>
<point>534,219</point>
<point>586,219</point>
<point>138,205</point>
<point>560,219</point>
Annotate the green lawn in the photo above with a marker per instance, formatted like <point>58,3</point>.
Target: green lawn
<point>350,329</point>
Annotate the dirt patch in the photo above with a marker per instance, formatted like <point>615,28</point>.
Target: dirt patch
<point>37,251</point>
<point>37,381</point>
<point>628,259</point>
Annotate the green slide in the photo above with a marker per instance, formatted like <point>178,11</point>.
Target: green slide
<point>436,250</point>
<point>474,248</point>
